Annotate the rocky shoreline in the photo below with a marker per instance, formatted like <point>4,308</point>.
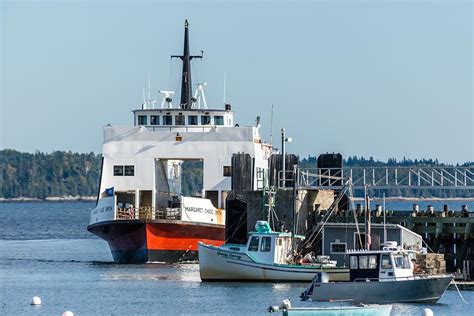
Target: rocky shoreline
<point>66,198</point>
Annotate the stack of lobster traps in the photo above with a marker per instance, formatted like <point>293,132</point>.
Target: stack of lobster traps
<point>430,263</point>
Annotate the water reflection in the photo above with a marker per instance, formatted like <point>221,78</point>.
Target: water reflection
<point>188,273</point>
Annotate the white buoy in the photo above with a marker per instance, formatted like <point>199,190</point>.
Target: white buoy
<point>427,312</point>
<point>35,300</point>
<point>68,313</point>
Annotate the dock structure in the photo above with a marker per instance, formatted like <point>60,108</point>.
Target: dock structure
<point>459,178</point>
<point>299,198</point>
<point>450,233</point>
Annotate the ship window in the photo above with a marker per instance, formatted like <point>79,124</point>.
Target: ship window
<point>372,262</point>
<point>118,170</point>
<point>192,120</point>
<point>154,120</point>
<point>386,263</point>
<point>142,120</point>
<point>401,262</point>
<point>179,120</point>
<point>227,171</point>
<point>354,263</point>
<point>253,246</point>
<point>218,120</point>
<point>167,120</point>
<point>363,262</point>
<point>338,247</point>
<point>205,120</point>
<point>129,170</point>
<point>266,244</point>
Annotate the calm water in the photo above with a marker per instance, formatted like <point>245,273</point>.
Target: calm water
<point>46,251</point>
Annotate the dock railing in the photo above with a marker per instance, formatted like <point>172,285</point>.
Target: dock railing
<point>382,177</point>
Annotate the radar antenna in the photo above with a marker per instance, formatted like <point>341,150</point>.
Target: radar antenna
<point>199,95</point>
<point>167,102</point>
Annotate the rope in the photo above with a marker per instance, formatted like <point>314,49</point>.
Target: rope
<point>195,73</point>
<point>459,292</point>
<point>171,72</point>
<point>351,198</point>
<point>427,246</point>
<point>184,254</point>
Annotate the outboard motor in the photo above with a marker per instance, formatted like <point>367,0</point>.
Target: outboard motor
<point>285,305</point>
<point>320,277</point>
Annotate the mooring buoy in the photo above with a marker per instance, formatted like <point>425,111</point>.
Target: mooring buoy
<point>427,312</point>
<point>35,300</point>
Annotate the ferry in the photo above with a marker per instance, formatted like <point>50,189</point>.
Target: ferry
<point>141,210</point>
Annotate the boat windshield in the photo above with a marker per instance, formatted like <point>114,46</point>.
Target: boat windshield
<point>386,264</point>
<point>266,244</point>
<point>253,246</point>
<point>401,261</point>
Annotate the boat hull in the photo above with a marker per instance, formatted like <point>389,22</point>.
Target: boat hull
<point>140,241</point>
<point>376,310</point>
<point>217,264</point>
<point>418,289</point>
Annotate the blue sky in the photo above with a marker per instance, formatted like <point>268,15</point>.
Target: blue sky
<point>373,78</point>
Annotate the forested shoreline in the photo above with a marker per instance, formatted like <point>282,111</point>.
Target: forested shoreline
<point>42,175</point>
<point>75,176</point>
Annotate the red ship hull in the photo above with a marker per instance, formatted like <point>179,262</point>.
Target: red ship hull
<point>140,241</point>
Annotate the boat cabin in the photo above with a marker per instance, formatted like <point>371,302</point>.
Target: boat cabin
<point>337,238</point>
<point>379,265</point>
<point>183,119</point>
<point>266,246</point>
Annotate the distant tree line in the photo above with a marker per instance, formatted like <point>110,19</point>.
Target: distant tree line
<point>60,173</point>
<point>42,175</point>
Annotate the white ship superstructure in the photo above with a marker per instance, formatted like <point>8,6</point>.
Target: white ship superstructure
<point>141,211</point>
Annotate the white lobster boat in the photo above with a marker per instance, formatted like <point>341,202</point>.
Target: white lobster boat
<point>263,258</point>
<point>379,277</point>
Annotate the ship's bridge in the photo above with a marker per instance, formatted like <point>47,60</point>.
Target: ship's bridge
<point>166,119</point>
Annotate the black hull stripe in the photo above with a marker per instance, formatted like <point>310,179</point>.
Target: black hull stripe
<point>316,270</point>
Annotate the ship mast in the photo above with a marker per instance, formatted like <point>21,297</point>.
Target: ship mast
<point>186,83</point>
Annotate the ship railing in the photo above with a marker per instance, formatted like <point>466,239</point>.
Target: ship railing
<point>145,213</point>
<point>148,213</point>
<point>180,128</point>
<point>168,213</point>
<point>125,213</point>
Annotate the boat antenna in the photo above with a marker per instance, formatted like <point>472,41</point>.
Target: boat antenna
<point>271,129</point>
<point>384,228</point>
<point>368,242</point>
<point>149,86</point>
<point>225,79</point>
<point>294,231</point>
<point>186,82</point>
